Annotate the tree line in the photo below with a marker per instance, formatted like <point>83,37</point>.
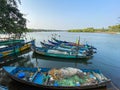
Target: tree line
<point>114,28</point>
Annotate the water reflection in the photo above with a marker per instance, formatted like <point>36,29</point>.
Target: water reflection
<point>12,58</point>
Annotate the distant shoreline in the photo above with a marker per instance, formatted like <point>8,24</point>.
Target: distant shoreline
<point>110,32</point>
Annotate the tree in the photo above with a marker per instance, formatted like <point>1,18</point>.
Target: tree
<point>115,28</point>
<point>11,19</point>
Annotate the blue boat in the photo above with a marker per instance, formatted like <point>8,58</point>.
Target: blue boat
<point>45,45</point>
<point>66,78</point>
<point>54,43</point>
<point>72,43</point>
<point>89,51</point>
<point>65,42</point>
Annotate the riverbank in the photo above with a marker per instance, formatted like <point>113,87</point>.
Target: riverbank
<point>96,31</point>
<point>76,31</point>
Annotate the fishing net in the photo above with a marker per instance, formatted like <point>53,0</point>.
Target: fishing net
<point>72,81</point>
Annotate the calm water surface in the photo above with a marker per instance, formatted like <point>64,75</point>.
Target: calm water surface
<point>107,58</point>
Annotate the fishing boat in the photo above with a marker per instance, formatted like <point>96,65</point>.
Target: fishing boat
<point>89,51</point>
<point>66,78</point>
<point>9,59</point>
<point>45,45</point>
<point>62,53</point>
<point>8,50</point>
<point>85,61</point>
<point>54,43</point>
<point>49,45</point>
<point>11,42</point>
<point>71,43</point>
<point>66,42</point>
<point>62,43</point>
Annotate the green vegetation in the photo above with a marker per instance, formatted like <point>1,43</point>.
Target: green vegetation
<point>44,30</point>
<point>111,29</point>
<point>115,28</point>
<point>11,19</point>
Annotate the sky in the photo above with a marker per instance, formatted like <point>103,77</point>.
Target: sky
<point>70,14</point>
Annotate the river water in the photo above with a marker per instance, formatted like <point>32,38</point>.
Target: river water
<point>107,58</point>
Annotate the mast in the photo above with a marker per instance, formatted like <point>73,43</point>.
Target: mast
<point>77,51</point>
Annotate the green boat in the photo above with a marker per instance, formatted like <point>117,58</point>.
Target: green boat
<point>60,53</point>
<point>10,50</point>
<point>11,42</point>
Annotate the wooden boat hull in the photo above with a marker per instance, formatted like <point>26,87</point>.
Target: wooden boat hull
<point>71,43</point>
<point>40,86</point>
<point>71,60</point>
<point>65,42</point>
<point>88,48</point>
<point>90,51</point>
<point>15,49</point>
<point>11,42</point>
<point>47,45</point>
<point>67,56</point>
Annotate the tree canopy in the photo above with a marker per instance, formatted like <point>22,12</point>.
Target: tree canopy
<point>11,19</point>
<point>115,28</point>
